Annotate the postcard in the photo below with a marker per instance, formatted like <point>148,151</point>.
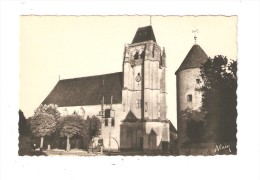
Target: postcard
<point>128,85</point>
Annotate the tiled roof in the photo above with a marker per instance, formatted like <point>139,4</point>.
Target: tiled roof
<point>87,90</point>
<point>144,34</point>
<point>194,58</point>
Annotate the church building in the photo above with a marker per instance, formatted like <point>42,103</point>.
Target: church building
<point>130,104</point>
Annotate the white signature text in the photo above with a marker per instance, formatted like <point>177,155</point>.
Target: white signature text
<point>222,147</point>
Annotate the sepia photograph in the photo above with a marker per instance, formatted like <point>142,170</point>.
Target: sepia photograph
<point>128,85</point>
<point>129,90</point>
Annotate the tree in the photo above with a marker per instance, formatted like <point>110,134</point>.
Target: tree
<point>25,135</point>
<point>48,109</point>
<point>42,124</point>
<point>94,126</point>
<point>69,126</point>
<point>195,129</point>
<point>191,127</point>
<point>219,98</point>
<point>24,128</point>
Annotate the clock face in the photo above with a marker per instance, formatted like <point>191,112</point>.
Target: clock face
<point>138,78</point>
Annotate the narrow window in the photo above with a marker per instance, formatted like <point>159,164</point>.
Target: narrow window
<point>112,122</point>
<point>123,107</point>
<point>106,122</point>
<point>136,56</point>
<point>138,86</point>
<point>146,106</point>
<point>153,49</point>
<point>189,98</point>
<point>138,103</point>
<point>142,54</point>
<point>198,81</point>
<point>107,113</point>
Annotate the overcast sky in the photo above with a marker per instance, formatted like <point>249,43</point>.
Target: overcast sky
<point>77,46</point>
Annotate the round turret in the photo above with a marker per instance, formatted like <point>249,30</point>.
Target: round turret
<point>189,80</point>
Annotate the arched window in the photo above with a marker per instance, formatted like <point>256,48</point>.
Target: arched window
<point>136,56</point>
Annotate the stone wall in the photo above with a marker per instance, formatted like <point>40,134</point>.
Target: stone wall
<point>156,133</point>
<point>105,130</point>
<point>188,83</point>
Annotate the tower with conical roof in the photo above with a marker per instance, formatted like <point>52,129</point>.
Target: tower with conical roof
<point>188,85</point>
<point>189,80</point>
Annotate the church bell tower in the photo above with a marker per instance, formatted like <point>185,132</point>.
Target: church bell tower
<point>144,77</point>
<point>144,92</point>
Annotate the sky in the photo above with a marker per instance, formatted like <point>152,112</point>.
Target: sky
<point>78,46</point>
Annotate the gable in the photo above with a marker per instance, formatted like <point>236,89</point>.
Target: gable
<point>130,117</point>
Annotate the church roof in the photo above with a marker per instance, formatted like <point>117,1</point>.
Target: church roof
<point>144,34</point>
<point>87,90</point>
<point>195,57</point>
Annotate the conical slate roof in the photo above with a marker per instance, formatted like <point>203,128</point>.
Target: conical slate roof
<point>195,57</point>
<point>144,34</point>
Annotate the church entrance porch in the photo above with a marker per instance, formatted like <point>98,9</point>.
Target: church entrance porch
<point>131,136</point>
<point>151,137</point>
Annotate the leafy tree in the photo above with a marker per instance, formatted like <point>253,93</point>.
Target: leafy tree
<point>48,109</point>
<point>191,127</point>
<point>70,126</point>
<point>219,98</point>
<point>94,126</point>
<point>195,130</point>
<point>42,124</point>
